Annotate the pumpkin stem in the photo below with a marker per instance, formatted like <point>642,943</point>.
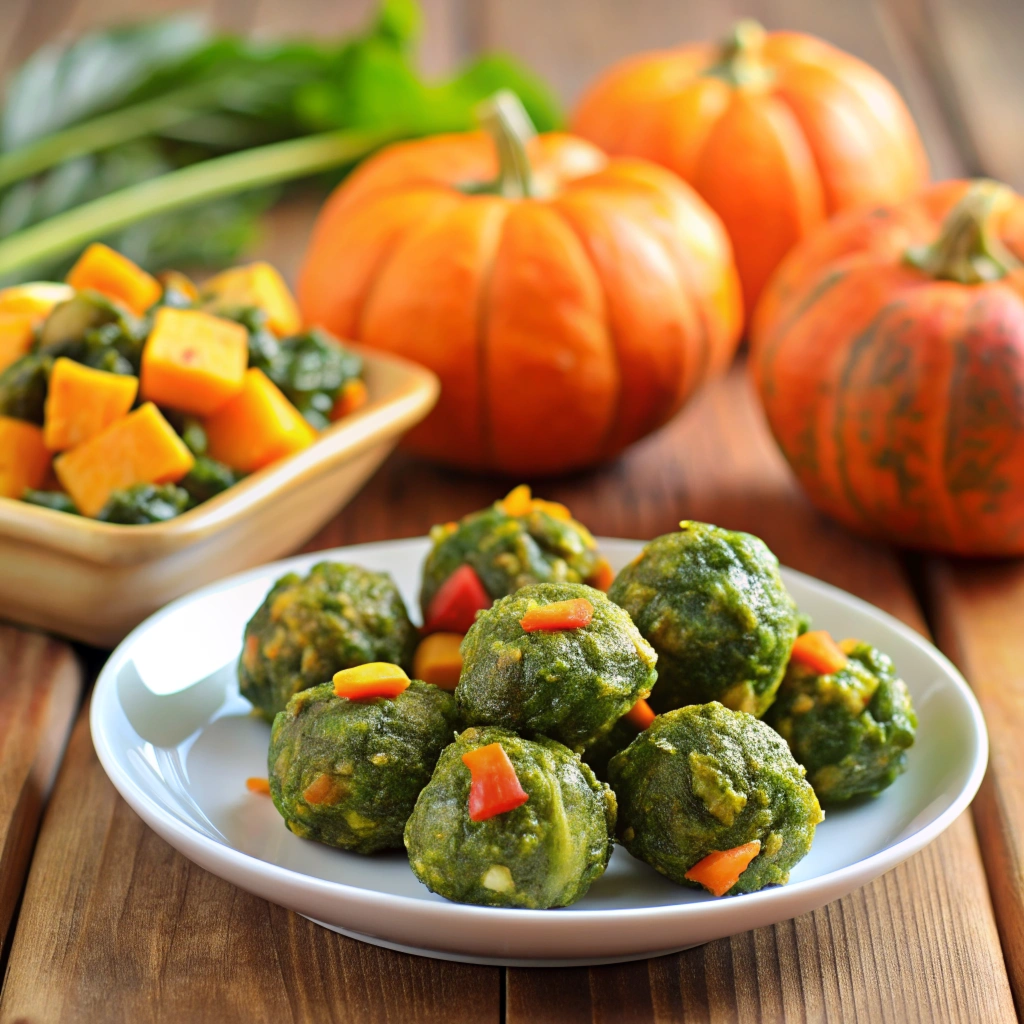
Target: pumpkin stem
<point>741,57</point>
<point>505,119</point>
<point>966,250</point>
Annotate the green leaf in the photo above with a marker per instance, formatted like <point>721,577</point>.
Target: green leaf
<point>59,86</point>
<point>400,22</point>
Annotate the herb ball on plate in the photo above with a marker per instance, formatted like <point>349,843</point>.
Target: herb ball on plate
<point>308,628</point>
<point>712,603</point>
<point>516,542</point>
<point>346,771</point>
<point>558,659</point>
<point>846,715</point>
<point>712,797</point>
<point>510,822</point>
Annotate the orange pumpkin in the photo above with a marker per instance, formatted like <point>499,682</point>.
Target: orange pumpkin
<point>569,303</point>
<point>776,131</point>
<point>889,353</point>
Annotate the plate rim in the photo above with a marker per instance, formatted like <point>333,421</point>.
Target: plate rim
<point>562,919</point>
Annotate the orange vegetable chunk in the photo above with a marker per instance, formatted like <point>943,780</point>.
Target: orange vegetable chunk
<point>22,308</point>
<point>139,448</point>
<point>574,614</point>
<point>518,501</point>
<point>718,872</point>
<point>374,679</point>
<point>194,361</point>
<point>604,575</point>
<point>438,660</point>
<point>819,651</point>
<point>24,459</point>
<point>103,270</point>
<point>257,427</point>
<point>260,285</point>
<point>17,332</point>
<point>494,786</point>
<point>353,396</point>
<point>641,714</point>
<point>81,402</point>
<point>258,784</point>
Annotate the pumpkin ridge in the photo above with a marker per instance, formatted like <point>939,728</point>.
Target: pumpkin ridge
<point>389,254</point>
<point>483,317</point>
<point>610,332</point>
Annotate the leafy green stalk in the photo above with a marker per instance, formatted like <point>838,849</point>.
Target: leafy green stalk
<point>104,132</point>
<point>265,165</point>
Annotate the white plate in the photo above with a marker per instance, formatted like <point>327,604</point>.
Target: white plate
<point>189,786</point>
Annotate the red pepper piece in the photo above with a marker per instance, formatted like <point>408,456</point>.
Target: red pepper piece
<point>494,787</point>
<point>456,602</point>
<point>574,614</point>
<point>819,651</point>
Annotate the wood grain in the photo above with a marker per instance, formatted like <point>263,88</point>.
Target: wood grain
<point>977,614</point>
<point>118,927</point>
<point>40,688</point>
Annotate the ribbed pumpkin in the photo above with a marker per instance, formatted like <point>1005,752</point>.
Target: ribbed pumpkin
<point>889,353</point>
<point>569,303</point>
<point>776,131</point>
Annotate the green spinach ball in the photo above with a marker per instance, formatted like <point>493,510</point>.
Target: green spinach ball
<point>703,779</point>
<point>850,729</point>
<point>711,602</point>
<point>347,772</point>
<point>544,853</point>
<point>307,629</point>
<point>541,545</point>
<point>569,684</point>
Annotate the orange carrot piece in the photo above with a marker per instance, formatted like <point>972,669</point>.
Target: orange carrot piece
<point>257,784</point>
<point>518,501</point>
<point>819,651</point>
<point>324,789</point>
<point>375,679</point>
<point>353,396</point>
<point>24,459</point>
<point>718,872</point>
<point>641,714</point>
<point>101,269</point>
<point>574,614</point>
<point>438,661</point>
<point>603,575</point>
<point>494,786</point>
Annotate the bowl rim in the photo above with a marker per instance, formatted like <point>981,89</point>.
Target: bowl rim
<point>412,395</point>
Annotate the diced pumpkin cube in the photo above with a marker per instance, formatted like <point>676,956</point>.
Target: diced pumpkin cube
<point>37,298</point>
<point>140,448</point>
<point>101,269</point>
<point>353,396</point>
<point>24,459</point>
<point>193,361</point>
<point>256,427</point>
<point>17,332</point>
<point>438,660</point>
<point>260,285</point>
<point>82,401</point>
<point>22,308</point>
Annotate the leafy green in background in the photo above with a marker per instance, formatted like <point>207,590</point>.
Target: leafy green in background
<point>139,103</point>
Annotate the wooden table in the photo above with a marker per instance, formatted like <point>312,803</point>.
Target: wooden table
<point>101,921</point>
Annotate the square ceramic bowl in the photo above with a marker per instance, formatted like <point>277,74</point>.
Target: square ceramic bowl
<point>95,581</point>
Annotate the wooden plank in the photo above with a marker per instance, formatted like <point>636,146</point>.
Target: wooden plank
<point>976,609</point>
<point>117,926</point>
<point>40,688</point>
